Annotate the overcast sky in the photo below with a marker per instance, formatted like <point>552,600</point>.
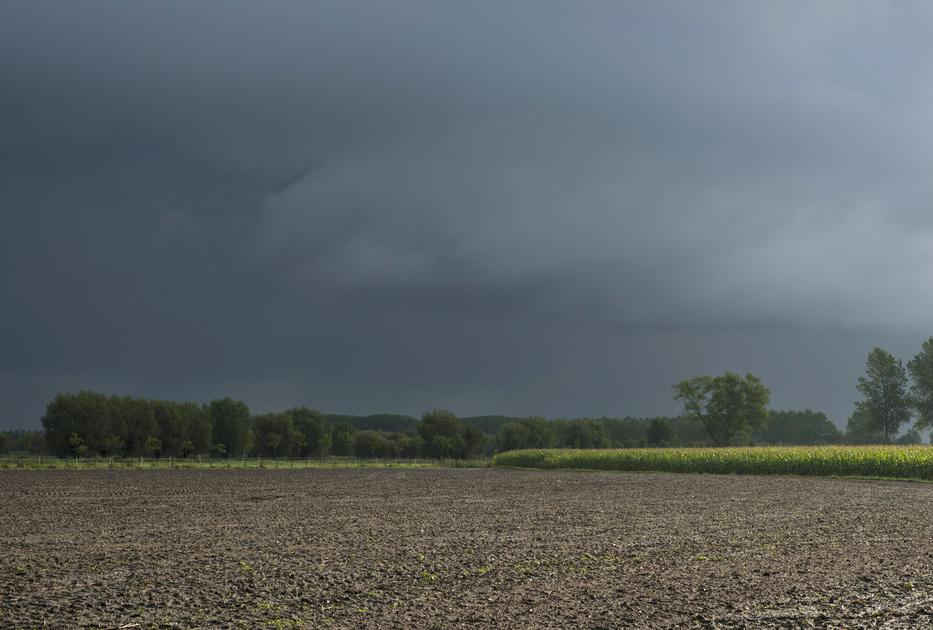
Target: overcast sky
<point>554,208</point>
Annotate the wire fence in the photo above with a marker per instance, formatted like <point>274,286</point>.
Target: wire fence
<point>242,463</point>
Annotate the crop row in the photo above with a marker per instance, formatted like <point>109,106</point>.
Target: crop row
<point>900,462</point>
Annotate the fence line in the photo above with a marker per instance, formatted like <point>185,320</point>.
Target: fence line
<point>243,463</point>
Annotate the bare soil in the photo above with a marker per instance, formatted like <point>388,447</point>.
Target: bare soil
<point>389,548</point>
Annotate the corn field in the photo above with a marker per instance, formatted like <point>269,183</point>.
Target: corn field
<point>898,462</point>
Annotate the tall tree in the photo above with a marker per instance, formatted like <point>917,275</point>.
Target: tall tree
<point>446,436</point>
<point>200,427</point>
<point>314,430</point>
<point>729,407</point>
<point>474,442</point>
<point>231,422</point>
<point>139,419</point>
<point>171,427</point>
<point>921,390</point>
<point>275,434</point>
<point>441,432</point>
<point>86,415</point>
<point>533,432</point>
<point>342,438</point>
<point>886,404</point>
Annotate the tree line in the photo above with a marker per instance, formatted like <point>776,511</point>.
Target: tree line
<point>91,424</point>
<point>722,410</point>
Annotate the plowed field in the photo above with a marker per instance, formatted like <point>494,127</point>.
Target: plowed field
<point>384,548</point>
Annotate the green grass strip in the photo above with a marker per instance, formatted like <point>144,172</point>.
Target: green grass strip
<point>167,463</point>
<point>897,462</point>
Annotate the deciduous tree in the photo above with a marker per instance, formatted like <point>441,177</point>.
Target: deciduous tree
<point>729,407</point>
<point>531,432</point>
<point>342,438</point>
<point>446,436</point>
<point>314,430</point>
<point>231,420</point>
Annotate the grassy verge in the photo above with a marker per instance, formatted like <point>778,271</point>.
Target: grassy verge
<point>897,462</point>
<point>137,463</point>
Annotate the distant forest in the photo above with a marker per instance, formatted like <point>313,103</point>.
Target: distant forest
<point>90,424</point>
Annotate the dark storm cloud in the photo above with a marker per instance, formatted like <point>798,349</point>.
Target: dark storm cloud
<point>518,207</point>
